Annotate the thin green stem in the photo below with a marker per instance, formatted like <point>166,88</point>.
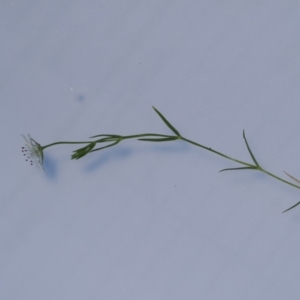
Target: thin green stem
<point>216,152</point>
<point>278,178</point>
<point>60,143</point>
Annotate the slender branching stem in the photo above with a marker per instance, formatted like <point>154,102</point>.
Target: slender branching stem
<point>114,139</point>
<point>258,168</point>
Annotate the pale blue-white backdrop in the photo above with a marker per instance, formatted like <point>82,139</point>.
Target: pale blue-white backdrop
<point>149,221</point>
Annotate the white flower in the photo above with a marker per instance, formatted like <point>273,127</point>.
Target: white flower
<point>33,151</point>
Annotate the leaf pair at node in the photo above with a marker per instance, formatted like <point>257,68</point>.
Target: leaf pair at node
<point>256,166</point>
<point>298,181</point>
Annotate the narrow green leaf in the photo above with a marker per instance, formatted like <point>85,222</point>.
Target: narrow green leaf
<point>166,122</point>
<point>160,140</point>
<point>107,135</point>
<point>292,177</point>
<point>242,168</point>
<point>83,151</point>
<point>106,140</point>
<point>291,207</point>
<point>251,154</point>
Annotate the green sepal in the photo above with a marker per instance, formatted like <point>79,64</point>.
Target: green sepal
<point>83,151</point>
<point>291,207</point>
<point>166,122</point>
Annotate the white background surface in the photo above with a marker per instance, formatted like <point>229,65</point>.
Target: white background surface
<point>149,221</point>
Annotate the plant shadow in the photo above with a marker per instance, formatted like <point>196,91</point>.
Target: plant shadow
<point>50,167</point>
<point>121,153</point>
<point>107,156</point>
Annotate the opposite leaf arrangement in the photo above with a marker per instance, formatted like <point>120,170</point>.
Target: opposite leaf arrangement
<point>33,151</point>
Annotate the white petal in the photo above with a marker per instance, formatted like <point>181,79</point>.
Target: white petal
<point>26,141</point>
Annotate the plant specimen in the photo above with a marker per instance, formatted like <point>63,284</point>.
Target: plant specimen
<point>33,151</point>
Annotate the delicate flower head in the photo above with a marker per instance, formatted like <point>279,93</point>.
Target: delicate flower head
<point>33,151</point>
